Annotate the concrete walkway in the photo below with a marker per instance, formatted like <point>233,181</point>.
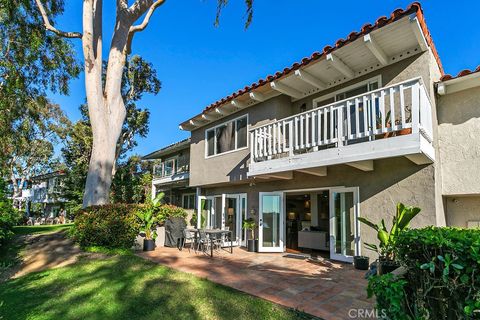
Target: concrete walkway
<point>326,289</point>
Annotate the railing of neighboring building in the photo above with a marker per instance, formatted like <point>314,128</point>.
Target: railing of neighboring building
<point>172,166</point>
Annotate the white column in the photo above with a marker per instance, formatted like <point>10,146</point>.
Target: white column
<point>199,207</point>
<point>154,191</point>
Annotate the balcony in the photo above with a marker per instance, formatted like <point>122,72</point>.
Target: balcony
<point>387,122</point>
<point>172,170</point>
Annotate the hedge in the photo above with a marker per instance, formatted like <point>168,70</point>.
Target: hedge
<point>111,226</point>
<point>442,279</point>
<point>9,217</point>
<point>115,225</point>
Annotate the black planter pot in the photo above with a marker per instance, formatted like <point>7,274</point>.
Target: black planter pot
<point>148,245</point>
<point>251,245</point>
<point>386,266</point>
<point>361,262</point>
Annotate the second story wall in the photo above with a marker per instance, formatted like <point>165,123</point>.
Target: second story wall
<point>233,166</point>
<point>459,146</point>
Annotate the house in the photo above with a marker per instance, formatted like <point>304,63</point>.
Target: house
<point>369,121</point>
<point>171,175</point>
<point>42,194</point>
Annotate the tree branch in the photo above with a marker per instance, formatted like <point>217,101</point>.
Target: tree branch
<point>143,25</point>
<point>49,26</point>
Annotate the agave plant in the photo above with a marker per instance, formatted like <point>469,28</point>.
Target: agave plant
<point>148,218</point>
<point>387,239</point>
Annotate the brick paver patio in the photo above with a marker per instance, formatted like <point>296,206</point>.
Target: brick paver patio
<point>326,289</point>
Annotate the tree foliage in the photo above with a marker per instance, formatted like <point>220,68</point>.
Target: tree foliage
<point>32,62</point>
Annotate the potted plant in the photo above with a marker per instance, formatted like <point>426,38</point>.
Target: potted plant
<point>252,244</point>
<point>387,239</point>
<point>361,262</point>
<point>149,221</point>
<point>388,124</point>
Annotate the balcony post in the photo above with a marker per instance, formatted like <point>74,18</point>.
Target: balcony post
<point>291,138</point>
<point>252,146</point>
<point>415,107</point>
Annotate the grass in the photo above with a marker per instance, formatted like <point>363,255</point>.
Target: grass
<point>128,287</point>
<point>108,251</point>
<point>23,230</point>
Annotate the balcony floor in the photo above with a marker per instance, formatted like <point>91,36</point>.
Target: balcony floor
<point>326,289</point>
<point>415,146</point>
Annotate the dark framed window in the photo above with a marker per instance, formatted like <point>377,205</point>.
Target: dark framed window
<point>228,136</point>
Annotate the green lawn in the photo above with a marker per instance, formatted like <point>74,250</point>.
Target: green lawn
<point>22,230</point>
<point>128,287</point>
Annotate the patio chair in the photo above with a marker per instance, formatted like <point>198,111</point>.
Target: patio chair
<point>190,238</point>
<point>203,241</point>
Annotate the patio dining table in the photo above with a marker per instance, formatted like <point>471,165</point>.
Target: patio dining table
<point>214,232</point>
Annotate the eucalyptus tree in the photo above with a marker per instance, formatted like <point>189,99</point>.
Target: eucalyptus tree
<point>106,106</point>
<point>33,61</point>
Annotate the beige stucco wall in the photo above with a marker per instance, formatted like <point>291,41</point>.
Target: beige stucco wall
<point>459,143</point>
<point>461,209</point>
<point>393,180</point>
<point>232,167</point>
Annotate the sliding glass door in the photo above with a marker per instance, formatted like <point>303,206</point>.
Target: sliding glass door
<point>271,222</point>
<point>344,226</point>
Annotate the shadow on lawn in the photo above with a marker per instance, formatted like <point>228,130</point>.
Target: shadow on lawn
<point>127,287</point>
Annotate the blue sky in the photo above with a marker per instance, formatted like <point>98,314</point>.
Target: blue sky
<point>199,64</point>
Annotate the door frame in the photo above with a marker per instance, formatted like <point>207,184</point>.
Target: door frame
<point>238,197</point>
<point>356,229</point>
<point>281,247</point>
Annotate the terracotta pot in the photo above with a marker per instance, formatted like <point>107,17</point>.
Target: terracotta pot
<point>404,132</point>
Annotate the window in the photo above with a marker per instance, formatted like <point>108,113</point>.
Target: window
<point>227,137</point>
<point>168,167</point>
<point>189,201</point>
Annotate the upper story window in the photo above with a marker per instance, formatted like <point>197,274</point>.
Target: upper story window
<point>348,92</point>
<point>228,136</point>
<point>172,166</point>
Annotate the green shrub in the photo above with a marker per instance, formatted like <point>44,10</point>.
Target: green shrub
<point>9,218</point>
<point>111,226</point>
<point>442,279</point>
<point>170,211</point>
<point>390,295</point>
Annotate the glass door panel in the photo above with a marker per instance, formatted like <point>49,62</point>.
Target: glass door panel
<point>243,216</point>
<point>344,239</point>
<point>206,207</point>
<point>271,222</point>
<point>231,217</point>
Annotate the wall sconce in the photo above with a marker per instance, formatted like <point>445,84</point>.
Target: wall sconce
<point>307,204</point>
<point>230,211</point>
<point>292,216</point>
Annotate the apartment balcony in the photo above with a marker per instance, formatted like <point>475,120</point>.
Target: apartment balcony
<point>388,122</point>
<point>172,170</point>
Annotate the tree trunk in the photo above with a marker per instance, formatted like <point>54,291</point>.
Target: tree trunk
<point>105,107</point>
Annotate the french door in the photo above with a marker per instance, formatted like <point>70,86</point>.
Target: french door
<point>344,226</point>
<point>271,222</point>
<point>233,216</point>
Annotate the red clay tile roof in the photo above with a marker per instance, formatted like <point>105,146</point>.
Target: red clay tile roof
<point>462,73</point>
<point>397,14</point>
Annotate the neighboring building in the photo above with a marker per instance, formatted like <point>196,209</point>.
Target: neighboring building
<point>45,193</point>
<point>344,133</point>
<point>171,175</point>
<point>41,194</point>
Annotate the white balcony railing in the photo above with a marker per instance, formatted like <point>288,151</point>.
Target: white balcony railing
<point>399,109</point>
